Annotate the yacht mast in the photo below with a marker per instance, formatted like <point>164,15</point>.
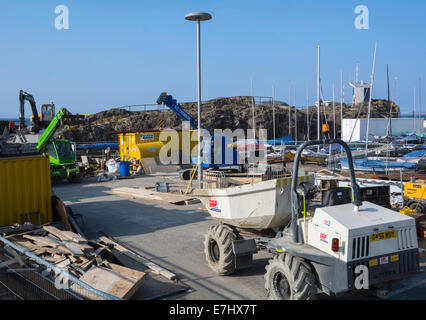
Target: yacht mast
<point>370,100</point>
<point>318,97</point>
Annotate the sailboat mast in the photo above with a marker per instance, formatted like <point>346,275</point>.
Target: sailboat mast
<point>252,105</point>
<point>370,100</point>
<point>318,96</point>
<point>341,104</point>
<point>307,113</point>
<point>414,110</point>
<point>289,109</point>
<point>334,116</point>
<point>420,107</point>
<point>273,112</point>
<point>295,114</point>
<point>389,133</point>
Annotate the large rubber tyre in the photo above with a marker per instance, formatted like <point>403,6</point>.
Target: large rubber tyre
<point>420,208</point>
<point>218,249</point>
<point>186,174</point>
<point>289,278</point>
<point>76,178</point>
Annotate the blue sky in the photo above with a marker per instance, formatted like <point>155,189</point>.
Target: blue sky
<point>127,52</point>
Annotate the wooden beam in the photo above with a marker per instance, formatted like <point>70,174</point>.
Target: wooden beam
<point>117,249</point>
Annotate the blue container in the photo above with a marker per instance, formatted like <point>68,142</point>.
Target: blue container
<point>124,168</point>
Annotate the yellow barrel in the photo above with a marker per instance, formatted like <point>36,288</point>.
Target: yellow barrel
<point>25,188</point>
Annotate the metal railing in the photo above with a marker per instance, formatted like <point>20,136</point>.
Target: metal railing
<point>255,173</point>
<point>215,179</point>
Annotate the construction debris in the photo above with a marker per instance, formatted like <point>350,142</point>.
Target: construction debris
<point>104,176</point>
<point>90,262</point>
<point>96,269</point>
<point>118,250</point>
<point>118,281</point>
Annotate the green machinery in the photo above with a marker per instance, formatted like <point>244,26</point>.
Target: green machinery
<point>62,156</point>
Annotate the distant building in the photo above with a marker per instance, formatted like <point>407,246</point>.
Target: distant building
<point>361,91</point>
<point>356,129</point>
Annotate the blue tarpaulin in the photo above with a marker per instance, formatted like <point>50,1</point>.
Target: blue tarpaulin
<point>112,145</point>
<point>416,154</point>
<point>414,138</point>
<point>365,164</point>
<point>284,140</point>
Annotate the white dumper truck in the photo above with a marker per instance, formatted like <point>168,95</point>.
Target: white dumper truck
<point>335,248</point>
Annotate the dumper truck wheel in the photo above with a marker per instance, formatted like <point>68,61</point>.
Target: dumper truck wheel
<point>289,278</point>
<point>218,249</point>
<point>419,206</point>
<point>76,178</point>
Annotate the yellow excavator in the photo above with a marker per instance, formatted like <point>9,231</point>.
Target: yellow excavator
<point>40,120</point>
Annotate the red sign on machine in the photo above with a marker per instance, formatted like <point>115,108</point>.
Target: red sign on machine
<point>213,203</point>
<point>323,237</point>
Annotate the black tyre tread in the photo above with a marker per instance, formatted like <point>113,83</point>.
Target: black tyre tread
<point>298,274</point>
<point>76,178</point>
<point>224,236</point>
<point>414,205</point>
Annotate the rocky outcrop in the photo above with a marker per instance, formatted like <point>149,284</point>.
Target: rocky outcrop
<point>220,113</point>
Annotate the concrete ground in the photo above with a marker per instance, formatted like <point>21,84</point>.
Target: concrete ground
<point>172,236</point>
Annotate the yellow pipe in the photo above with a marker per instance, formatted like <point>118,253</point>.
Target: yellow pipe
<point>190,180</point>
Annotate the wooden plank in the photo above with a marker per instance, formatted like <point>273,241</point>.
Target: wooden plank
<point>49,242</point>
<point>54,259</point>
<point>31,246</point>
<point>117,283</point>
<point>72,241</point>
<point>65,235</point>
<point>62,212</point>
<point>63,264</point>
<point>118,249</point>
<point>87,264</point>
<point>46,241</point>
<point>151,195</point>
<point>75,225</point>
<point>27,245</point>
<point>74,248</point>
<point>37,250</point>
<point>132,275</point>
<point>129,273</point>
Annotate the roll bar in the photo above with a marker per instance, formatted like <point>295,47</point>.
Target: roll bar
<point>294,199</point>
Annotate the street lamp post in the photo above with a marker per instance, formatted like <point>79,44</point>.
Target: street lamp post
<point>199,16</point>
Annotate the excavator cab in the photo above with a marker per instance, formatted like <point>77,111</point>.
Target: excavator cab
<point>62,161</point>
<point>47,112</point>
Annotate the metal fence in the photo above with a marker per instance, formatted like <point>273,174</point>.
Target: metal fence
<point>255,173</point>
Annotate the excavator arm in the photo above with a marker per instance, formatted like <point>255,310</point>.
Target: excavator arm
<point>28,97</point>
<point>176,108</point>
<point>63,117</point>
<point>51,129</point>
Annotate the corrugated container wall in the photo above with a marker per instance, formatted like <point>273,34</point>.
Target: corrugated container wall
<point>25,187</point>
